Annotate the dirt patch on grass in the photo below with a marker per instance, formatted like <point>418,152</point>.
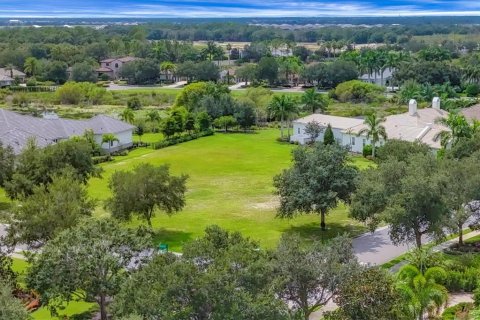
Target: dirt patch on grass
<point>271,204</point>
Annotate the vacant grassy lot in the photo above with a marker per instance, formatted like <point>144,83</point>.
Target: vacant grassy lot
<point>230,185</point>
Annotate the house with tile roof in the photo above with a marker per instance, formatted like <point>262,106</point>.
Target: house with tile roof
<point>112,67</point>
<point>12,74</point>
<point>415,125</point>
<point>16,130</point>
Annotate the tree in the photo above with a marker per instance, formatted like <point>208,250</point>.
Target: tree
<point>459,128</point>
<point>56,71</point>
<point>83,72</point>
<point>7,161</point>
<point>374,130</point>
<point>206,71</point>
<point>140,130</point>
<point>247,72</point>
<point>368,294</point>
<point>168,68</point>
<point>127,115</point>
<point>245,114</point>
<point>169,127</point>
<point>310,277</point>
<point>144,190</point>
<point>406,195</point>
<point>328,137</point>
<point>422,291</point>
<point>313,129</point>
<point>89,261</point>
<point>460,183</point>
<point>319,178</point>
<point>109,138</point>
<point>221,275</point>
<point>31,66</point>
<point>145,71</point>
<point>267,69</point>
<point>401,150</point>
<point>313,101</point>
<point>225,122</point>
<point>10,307</point>
<point>50,210</point>
<point>282,108</point>
<point>204,122</point>
<point>190,122</point>
<point>35,166</point>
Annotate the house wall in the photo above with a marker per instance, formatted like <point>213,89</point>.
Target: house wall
<point>125,140</point>
<point>115,65</point>
<point>351,140</point>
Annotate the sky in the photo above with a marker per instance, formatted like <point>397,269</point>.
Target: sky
<point>235,8</point>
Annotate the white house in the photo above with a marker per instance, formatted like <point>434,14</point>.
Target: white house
<point>17,129</point>
<point>415,125</point>
<point>381,78</point>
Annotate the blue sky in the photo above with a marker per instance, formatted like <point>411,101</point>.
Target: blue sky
<point>231,8</point>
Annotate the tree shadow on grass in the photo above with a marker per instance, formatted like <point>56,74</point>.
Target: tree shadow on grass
<point>312,232</point>
<point>174,238</point>
<point>87,315</point>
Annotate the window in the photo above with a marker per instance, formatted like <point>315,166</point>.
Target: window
<point>111,143</point>
<point>364,142</point>
<point>108,64</point>
<point>116,65</point>
<point>353,141</point>
<point>298,130</point>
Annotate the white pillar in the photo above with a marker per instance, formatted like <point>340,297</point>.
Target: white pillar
<point>412,107</point>
<point>436,103</point>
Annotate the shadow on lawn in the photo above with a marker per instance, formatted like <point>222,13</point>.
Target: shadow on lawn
<point>174,238</point>
<point>87,315</point>
<point>312,231</point>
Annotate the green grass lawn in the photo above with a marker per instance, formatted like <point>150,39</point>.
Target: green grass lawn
<point>230,185</point>
<point>149,137</point>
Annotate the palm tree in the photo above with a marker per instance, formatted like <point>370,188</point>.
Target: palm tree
<point>127,115</point>
<point>421,290</point>
<point>282,107</point>
<point>31,66</point>
<point>374,130</point>
<point>168,67</point>
<point>313,101</point>
<point>109,138</point>
<point>459,128</point>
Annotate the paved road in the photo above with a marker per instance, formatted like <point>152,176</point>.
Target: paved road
<point>377,248</point>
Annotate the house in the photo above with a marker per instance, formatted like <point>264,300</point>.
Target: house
<point>6,81</point>
<point>382,78</point>
<point>13,73</point>
<point>112,67</point>
<point>16,130</point>
<point>414,125</point>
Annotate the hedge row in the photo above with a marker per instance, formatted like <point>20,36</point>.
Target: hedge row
<point>180,139</point>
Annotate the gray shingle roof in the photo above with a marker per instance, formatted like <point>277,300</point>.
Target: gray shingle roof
<point>16,129</point>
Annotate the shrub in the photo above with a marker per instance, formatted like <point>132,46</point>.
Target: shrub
<point>472,90</point>
<point>32,82</point>
<point>476,297</point>
<point>367,150</point>
<point>101,159</point>
<point>134,103</point>
<point>456,312</point>
<point>358,91</point>
<point>180,139</point>
<point>104,77</point>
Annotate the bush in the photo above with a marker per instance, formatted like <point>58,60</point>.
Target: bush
<point>459,311</point>
<point>462,281</point>
<point>358,91</point>
<point>367,150</point>
<point>180,139</point>
<point>472,90</point>
<point>134,103</point>
<point>102,159</point>
<point>32,82</point>
<point>104,77</point>
<point>476,297</point>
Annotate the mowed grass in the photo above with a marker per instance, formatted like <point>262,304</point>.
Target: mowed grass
<point>230,184</point>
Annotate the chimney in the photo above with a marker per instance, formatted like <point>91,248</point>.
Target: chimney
<point>436,103</point>
<point>412,107</point>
